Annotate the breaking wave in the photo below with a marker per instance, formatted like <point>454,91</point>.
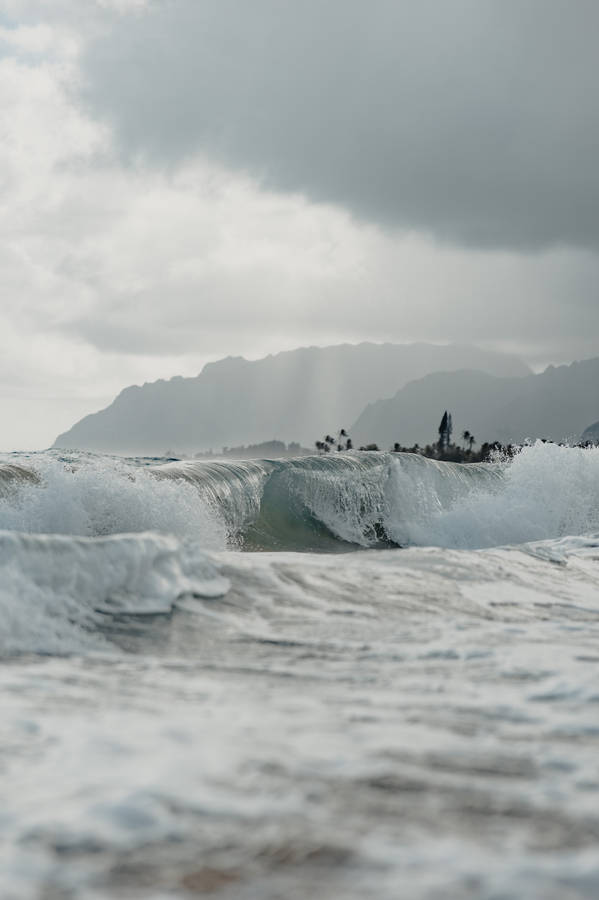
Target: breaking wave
<point>94,496</point>
<point>378,499</point>
<point>57,591</point>
<point>312,504</point>
<point>546,492</point>
<point>86,538</point>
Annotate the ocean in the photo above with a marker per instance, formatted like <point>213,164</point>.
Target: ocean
<point>347,676</point>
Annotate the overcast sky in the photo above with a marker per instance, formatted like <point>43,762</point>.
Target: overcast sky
<point>185,179</point>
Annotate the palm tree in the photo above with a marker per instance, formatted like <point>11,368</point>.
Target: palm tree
<point>466,436</point>
<point>443,432</point>
<point>471,441</point>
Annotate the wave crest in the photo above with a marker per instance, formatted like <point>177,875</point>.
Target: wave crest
<point>322,503</point>
<point>55,590</point>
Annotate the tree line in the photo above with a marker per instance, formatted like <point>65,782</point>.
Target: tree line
<point>443,448</point>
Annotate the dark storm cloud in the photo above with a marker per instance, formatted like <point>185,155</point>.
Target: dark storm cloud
<point>475,120</point>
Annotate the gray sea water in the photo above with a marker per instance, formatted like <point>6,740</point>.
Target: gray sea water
<point>368,675</point>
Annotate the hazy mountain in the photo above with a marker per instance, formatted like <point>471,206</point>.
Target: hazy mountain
<point>591,433</point>
<point>555,404</point>
<point>295,395</point>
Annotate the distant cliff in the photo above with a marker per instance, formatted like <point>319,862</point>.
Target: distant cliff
<point>293,396</point>
<point>591,433</point>
<point>556,404</point>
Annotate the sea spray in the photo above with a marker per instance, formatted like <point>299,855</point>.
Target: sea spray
<point>92,496</point>
<point>546,491</point>
<point>232,489</point>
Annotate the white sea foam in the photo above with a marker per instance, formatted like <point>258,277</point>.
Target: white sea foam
<point>52,587</point>
<point>91,495</point>
<point>418,723</point>
<point>309,724</point>
<point>546,492</point>
<point>385,491</point>
<point>55,590</point>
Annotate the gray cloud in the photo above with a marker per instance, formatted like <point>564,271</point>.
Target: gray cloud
<point>475,120</point>
<point>143,251</point>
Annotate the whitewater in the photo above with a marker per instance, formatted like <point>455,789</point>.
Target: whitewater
<point>345,676</point>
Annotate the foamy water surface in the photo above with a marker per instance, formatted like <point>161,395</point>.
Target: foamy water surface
<point>364,675</point>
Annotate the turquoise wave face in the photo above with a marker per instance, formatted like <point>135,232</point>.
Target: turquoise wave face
<point>328,503</point>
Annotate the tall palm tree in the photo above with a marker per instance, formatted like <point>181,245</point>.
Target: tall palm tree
<point>443,432</point>
<point>466,436</point>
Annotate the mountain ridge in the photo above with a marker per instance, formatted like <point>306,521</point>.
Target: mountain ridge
<point>555,404</point>
<point>294,395</point>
